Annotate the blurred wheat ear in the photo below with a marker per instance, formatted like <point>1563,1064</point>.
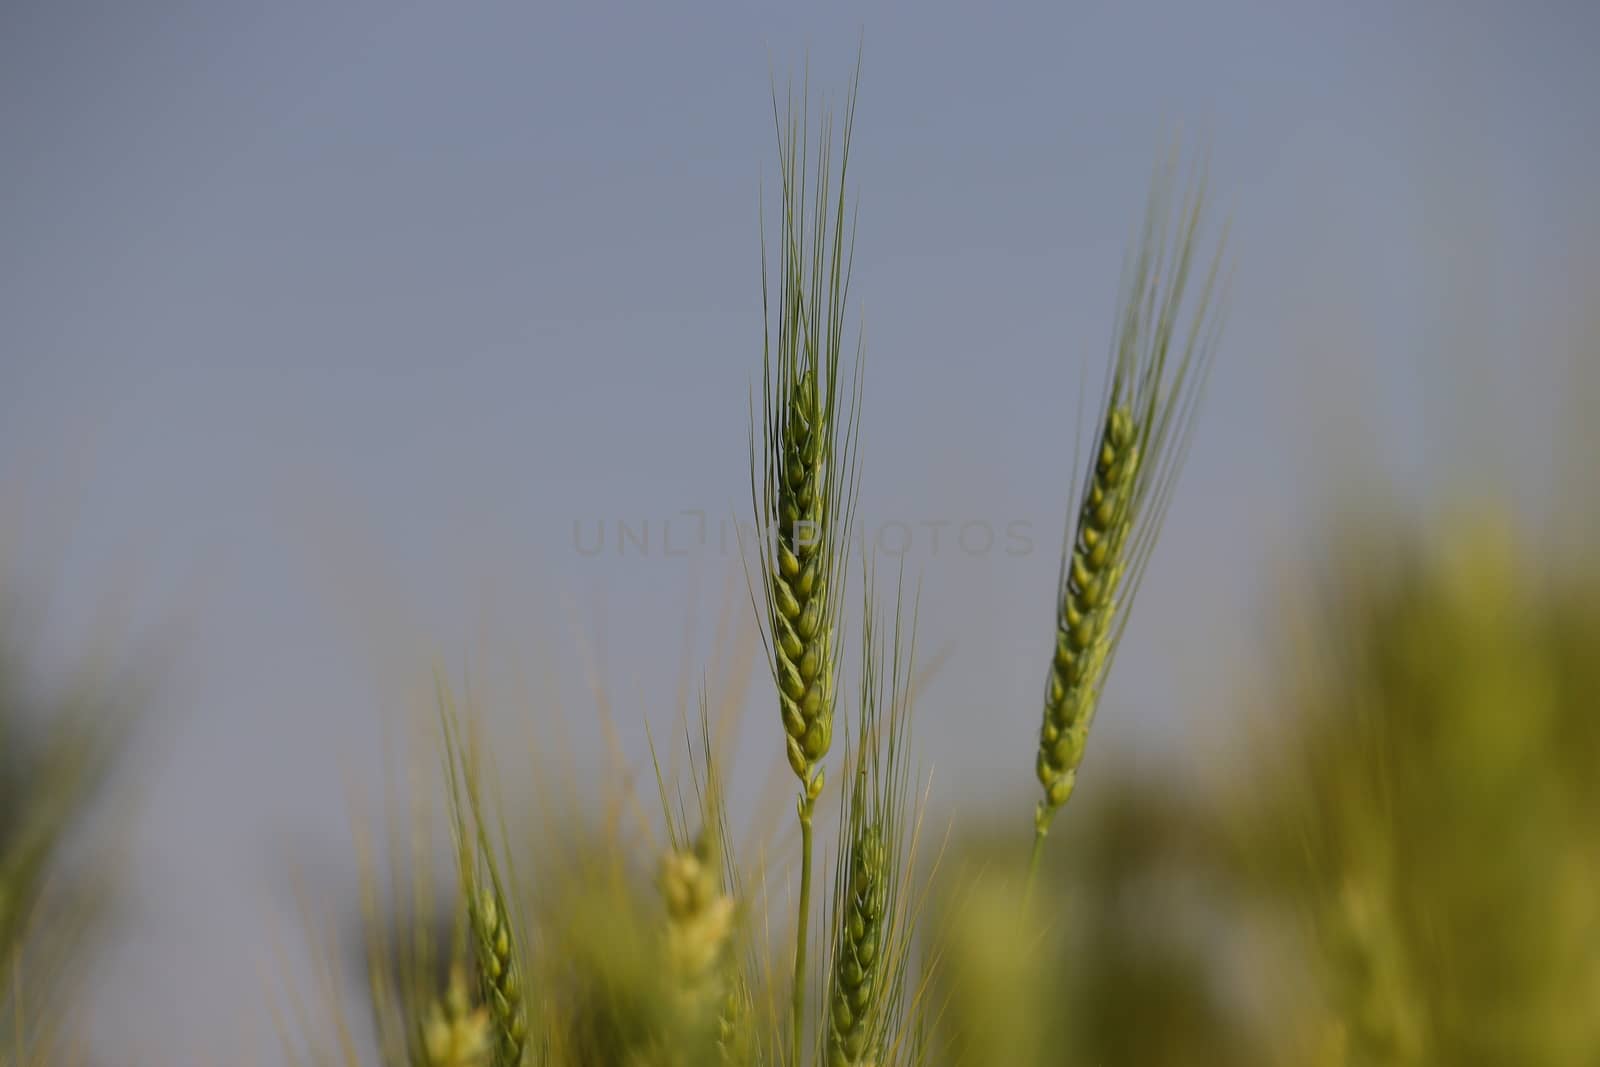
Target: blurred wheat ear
<point>1160,358</point>
<point>496,933</point>
<point>707,984</point>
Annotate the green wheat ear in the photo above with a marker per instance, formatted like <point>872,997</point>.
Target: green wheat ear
<point>1158,369</point>
<point>857,959</point>
<point>497,953</point>
<point>866,993</point>
<point>803,472</point>
<point>802,466</point>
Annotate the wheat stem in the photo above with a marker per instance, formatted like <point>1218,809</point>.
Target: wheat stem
<point>1035,855</point>
<point>798,1001</point>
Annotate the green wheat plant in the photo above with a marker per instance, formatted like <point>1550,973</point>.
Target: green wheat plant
<point>1160,357</point>
<point>803,469</point>
<point>626,945</point>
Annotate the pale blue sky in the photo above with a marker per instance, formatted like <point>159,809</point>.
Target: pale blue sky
<point>311,308</point>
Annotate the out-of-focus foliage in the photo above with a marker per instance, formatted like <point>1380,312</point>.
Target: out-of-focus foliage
<point>1115,958</point>
<point>607,982</point>
<point>1434,814</point>
<point>56,749</point>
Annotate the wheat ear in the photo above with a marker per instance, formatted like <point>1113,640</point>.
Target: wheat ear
<point>700,918</point>
<point>802,470</point>
<point>497,954</point>
<point>1154,383</point>
<point>857,956</point>
<point>455,1031</point>
<point>698,881</point>
<point>870,933</point>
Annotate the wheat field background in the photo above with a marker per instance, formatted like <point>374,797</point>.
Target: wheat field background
<point>341,343</point>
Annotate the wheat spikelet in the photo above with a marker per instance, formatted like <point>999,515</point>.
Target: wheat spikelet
<point>1155,380</point>
<point>734,1037</point>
